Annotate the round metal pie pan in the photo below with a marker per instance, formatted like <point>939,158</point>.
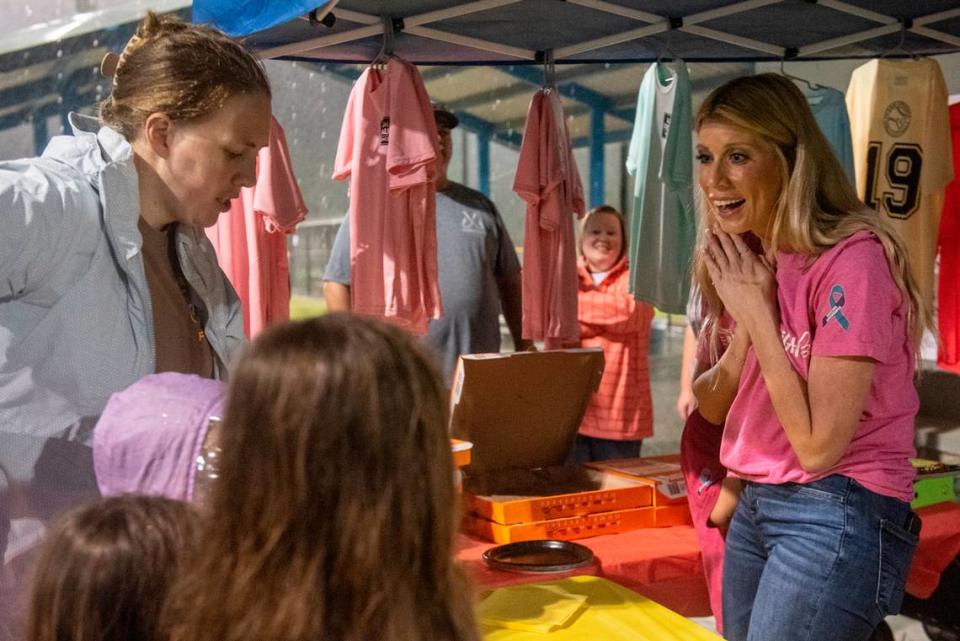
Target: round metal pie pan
<point>541,556</point>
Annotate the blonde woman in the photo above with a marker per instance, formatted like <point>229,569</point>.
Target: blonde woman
<point>816,385</point>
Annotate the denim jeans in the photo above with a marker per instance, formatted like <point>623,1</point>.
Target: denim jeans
<point>823,561</point>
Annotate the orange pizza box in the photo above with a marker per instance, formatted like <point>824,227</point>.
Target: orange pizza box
<point>660,472</point>
<point>517,495</point>
<point>564,529</point>
<point>522,411</point>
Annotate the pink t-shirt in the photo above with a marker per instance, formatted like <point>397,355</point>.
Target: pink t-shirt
<point>548,180</point>
<point>250,239</point>
<point>844,304</point>
<point>388,150</point>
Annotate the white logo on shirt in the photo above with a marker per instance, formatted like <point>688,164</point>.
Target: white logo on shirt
<point>896,118</point>
<point>796,346</point>
<point>472,222</point>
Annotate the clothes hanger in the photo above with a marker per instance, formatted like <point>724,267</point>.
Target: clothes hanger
<point>549,72</point>
<point>664,50</point>
<point>380,62</point>
<point>905,24</point>
<point>783,72</point>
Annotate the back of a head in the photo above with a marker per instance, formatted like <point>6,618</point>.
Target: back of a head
<point>105,570</point>
<point>334,514</point>
<point>183,70</point>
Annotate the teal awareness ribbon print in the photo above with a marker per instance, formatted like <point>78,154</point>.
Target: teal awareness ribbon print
<point>837,301</point>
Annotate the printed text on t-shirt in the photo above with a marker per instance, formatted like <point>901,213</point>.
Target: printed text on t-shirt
<point>796,346</point>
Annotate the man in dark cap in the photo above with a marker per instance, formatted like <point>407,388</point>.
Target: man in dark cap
<point>477,264</point>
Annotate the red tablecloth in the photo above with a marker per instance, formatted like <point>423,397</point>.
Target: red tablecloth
<point>664,563</point>
<point>660,563</point>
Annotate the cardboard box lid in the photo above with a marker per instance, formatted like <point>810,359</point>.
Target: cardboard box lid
<point>522,410</point>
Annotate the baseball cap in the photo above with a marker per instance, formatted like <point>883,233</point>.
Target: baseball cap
<point>444,117</point>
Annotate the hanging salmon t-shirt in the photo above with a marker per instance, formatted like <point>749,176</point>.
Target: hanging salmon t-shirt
<point>548,180</point>
<point>388,150</point>
<point>251,238</point>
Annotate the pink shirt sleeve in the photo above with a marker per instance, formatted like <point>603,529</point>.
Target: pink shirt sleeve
<point>526,182</point>
<point>277,195</point>
<point>343,161</point>
<point>555,154</point>
<point>858,307</point>
<point>412,153</point>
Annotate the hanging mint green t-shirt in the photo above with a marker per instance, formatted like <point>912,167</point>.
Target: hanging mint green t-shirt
<point>662,225</point>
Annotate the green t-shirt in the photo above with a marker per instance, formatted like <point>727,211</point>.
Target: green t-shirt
<point>662,226</point>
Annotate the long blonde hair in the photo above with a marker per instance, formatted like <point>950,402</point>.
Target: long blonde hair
<point>818,207</point>
<point>335,512</point>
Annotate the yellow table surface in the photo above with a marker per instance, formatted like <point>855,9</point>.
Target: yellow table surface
<point>612,613</point>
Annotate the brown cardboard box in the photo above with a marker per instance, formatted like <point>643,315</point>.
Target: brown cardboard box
<point>522,412</point>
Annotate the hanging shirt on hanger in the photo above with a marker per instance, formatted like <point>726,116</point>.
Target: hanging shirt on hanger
<point>548,180</point>
<point>830,110</point>
<point>663,222</point>
<point>388,150</point>
<point>948,293</point>
<point>901,150</point>
<point>251,238</point>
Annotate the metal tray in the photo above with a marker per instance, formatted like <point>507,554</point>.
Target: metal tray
<point>541,556</point>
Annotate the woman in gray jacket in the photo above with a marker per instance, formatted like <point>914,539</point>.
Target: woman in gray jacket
<point>105,272</point>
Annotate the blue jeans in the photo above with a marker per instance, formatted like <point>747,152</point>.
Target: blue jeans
<point>823,561</point>
<point>591,448</point>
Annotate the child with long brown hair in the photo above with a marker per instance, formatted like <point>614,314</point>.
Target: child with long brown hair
<point>334,514</point>
<point>105,569</point>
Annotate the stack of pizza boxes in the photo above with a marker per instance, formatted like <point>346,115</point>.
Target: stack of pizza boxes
<point>521,412</point>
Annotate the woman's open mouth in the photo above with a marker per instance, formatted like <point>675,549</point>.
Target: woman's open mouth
<point>727,208</point>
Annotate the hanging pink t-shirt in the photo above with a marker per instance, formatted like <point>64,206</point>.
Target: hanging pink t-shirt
<point>845,303</point>
<point>548,180</point>
<point>388,150</point>
<point>250,239</point>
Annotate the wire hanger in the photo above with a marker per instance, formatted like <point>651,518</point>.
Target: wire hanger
<point>549,71</point>
<point>386,51</point>
<point>666,50</point>
<point>905,24</point>
<point>812,86</point>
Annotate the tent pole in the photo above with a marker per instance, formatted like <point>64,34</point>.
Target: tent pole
<point>476,43</point>
<point>835,43</point>
<point>597,158</point>
<point>729,38</point>
<point>483,163</point>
